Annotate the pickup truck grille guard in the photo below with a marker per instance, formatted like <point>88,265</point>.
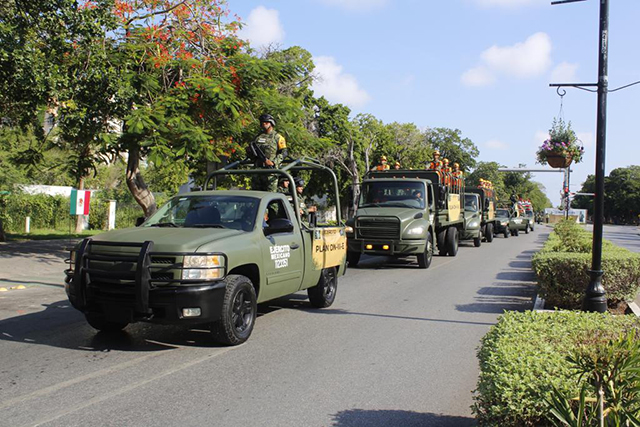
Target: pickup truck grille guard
<point>133,285</point>
<point>378,228</point>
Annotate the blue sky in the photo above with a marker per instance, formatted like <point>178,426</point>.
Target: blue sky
<point>481,66</point>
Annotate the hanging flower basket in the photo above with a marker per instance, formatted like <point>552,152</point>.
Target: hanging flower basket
<point>559,160</point>
<point>562,148</point>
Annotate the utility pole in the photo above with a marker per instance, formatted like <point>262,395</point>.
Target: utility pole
<point>594,299</point>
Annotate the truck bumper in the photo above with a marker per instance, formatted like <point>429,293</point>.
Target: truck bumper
<point>395,247</point>
<point>166,304</point>
<point>469,234</point>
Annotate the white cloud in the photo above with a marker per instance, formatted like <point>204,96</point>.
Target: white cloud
<point>478,76</point>
<point>263,27</point>
<point>494,144</point>
<point>337,86</point>
<point>509,3</point>
<point>357,5</point>
<point>564,73</point>
<point>526,59</point>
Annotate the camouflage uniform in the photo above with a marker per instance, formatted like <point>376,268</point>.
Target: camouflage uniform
<point>273,145</point>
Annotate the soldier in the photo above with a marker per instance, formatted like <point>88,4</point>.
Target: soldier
<point>436,164</point>
<point>447,171</point>
<point>383,166</point>
<point>457,174</point>
<point>302,200</point>
<point>274,147</point>
<point>397,165</point>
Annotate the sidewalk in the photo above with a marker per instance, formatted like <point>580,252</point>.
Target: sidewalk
<point>33,262</point>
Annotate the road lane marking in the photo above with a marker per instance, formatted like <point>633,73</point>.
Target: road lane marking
<point>130,387</point>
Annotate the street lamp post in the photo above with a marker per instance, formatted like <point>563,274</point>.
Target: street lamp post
<point>594,299</point>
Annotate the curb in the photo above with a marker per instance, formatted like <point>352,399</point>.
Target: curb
<point>538,305</point>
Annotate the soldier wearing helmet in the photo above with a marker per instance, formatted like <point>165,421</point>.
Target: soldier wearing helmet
<point>274,147</point>
<point>302,200</point>
<point>436,164</point>
<point>383,166</point>
<point>397,165</point>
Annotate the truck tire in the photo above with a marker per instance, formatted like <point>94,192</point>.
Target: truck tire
<point>424,259</point>
<point>323,294</point>
<point>477,241</point>
<point>353,258</point>
<point>452,241</point>
<point>239,311</point>
<point>526,230</point>
<point>441,238</point>
<point>531,226</point>
<point>489,234</point>
<point>516,232</point>
<point>98,321</point>
<point>506,233</point>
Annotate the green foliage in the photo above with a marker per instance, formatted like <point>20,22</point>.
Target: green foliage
<point>453,147</point>
<point>611,374</point>
<point>563,263</point>
<point>51,212</point>
<point>523,359</point>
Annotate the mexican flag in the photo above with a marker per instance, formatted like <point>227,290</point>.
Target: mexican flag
<point>80,202</point>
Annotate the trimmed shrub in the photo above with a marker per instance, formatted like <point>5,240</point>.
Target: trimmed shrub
<point>46,212</point>
<point>563,263</point>
<point>524,357</point>
<point>563,276</point>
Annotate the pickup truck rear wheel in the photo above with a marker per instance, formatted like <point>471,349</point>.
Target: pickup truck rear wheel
<point>239,310</point>
<point>506,233</point>
<point>452,241</point>
<point>98,321</point>
<point>489,233</point>
<point>526,230</point>
<point>353,258</point>
<point>425,258</point>
<point>323,294</point>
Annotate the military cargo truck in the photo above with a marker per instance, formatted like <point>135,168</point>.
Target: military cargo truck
<point>403,212</point>
<point>209,257</point>
<point>472,219</point>
<point>489,222</point>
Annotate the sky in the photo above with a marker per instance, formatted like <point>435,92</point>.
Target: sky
<point>480,66</point>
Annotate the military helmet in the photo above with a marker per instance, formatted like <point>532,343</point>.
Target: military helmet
<point>436,153</point>
<point>268,118</point>
<point>299,181</point>
<point>456,165</point>
<point>445,161</point>
<point>383,158</point>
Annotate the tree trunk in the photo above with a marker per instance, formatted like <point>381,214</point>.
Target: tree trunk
<point>3,237</point>
<point>79,218</point>
<point>136,184</point>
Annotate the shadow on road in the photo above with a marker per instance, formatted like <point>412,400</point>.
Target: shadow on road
<point>40,250</point>
<point>388,417</point>
<point>60,325</point>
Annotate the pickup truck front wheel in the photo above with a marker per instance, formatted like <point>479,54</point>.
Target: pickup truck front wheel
<point>98,321</point>
<point>353,258</point>
<point>239,310</point>
<point>323,294</point>
<point>425,258</point>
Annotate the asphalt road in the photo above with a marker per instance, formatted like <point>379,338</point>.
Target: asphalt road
<point>398,348</point>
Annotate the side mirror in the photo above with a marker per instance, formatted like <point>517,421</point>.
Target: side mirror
<point>278,225</point>
<point>139,221</point>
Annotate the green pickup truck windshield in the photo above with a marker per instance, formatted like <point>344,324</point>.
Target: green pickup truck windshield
<point>502,213</point>
<point>207,211</point>
<point>392,194</point>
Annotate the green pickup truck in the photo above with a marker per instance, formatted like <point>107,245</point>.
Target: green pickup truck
<point>402,213</point>
<point>472,219</point>
<point>209,257</point>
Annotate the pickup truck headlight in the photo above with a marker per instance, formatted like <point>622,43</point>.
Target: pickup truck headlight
<point>415,231</point>
<point>203,267</point>
<point>474,224</point>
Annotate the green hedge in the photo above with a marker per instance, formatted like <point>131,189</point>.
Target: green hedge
<point>525,355</point>
<point>562,268</point>
<point>52,212</point>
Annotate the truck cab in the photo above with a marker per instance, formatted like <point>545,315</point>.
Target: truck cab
<point>208,257</point>
<point>472,219</point>
<point>404,213</point>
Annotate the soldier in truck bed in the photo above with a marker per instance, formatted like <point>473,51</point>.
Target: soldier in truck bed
<point>274,147</point>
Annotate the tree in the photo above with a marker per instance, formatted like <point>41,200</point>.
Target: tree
<point>407,145</point>
<point>453,147</point>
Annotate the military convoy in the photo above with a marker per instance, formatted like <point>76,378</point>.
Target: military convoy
<point>209,257</point>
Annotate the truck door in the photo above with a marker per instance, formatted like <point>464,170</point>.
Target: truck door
<point>282,253</point>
